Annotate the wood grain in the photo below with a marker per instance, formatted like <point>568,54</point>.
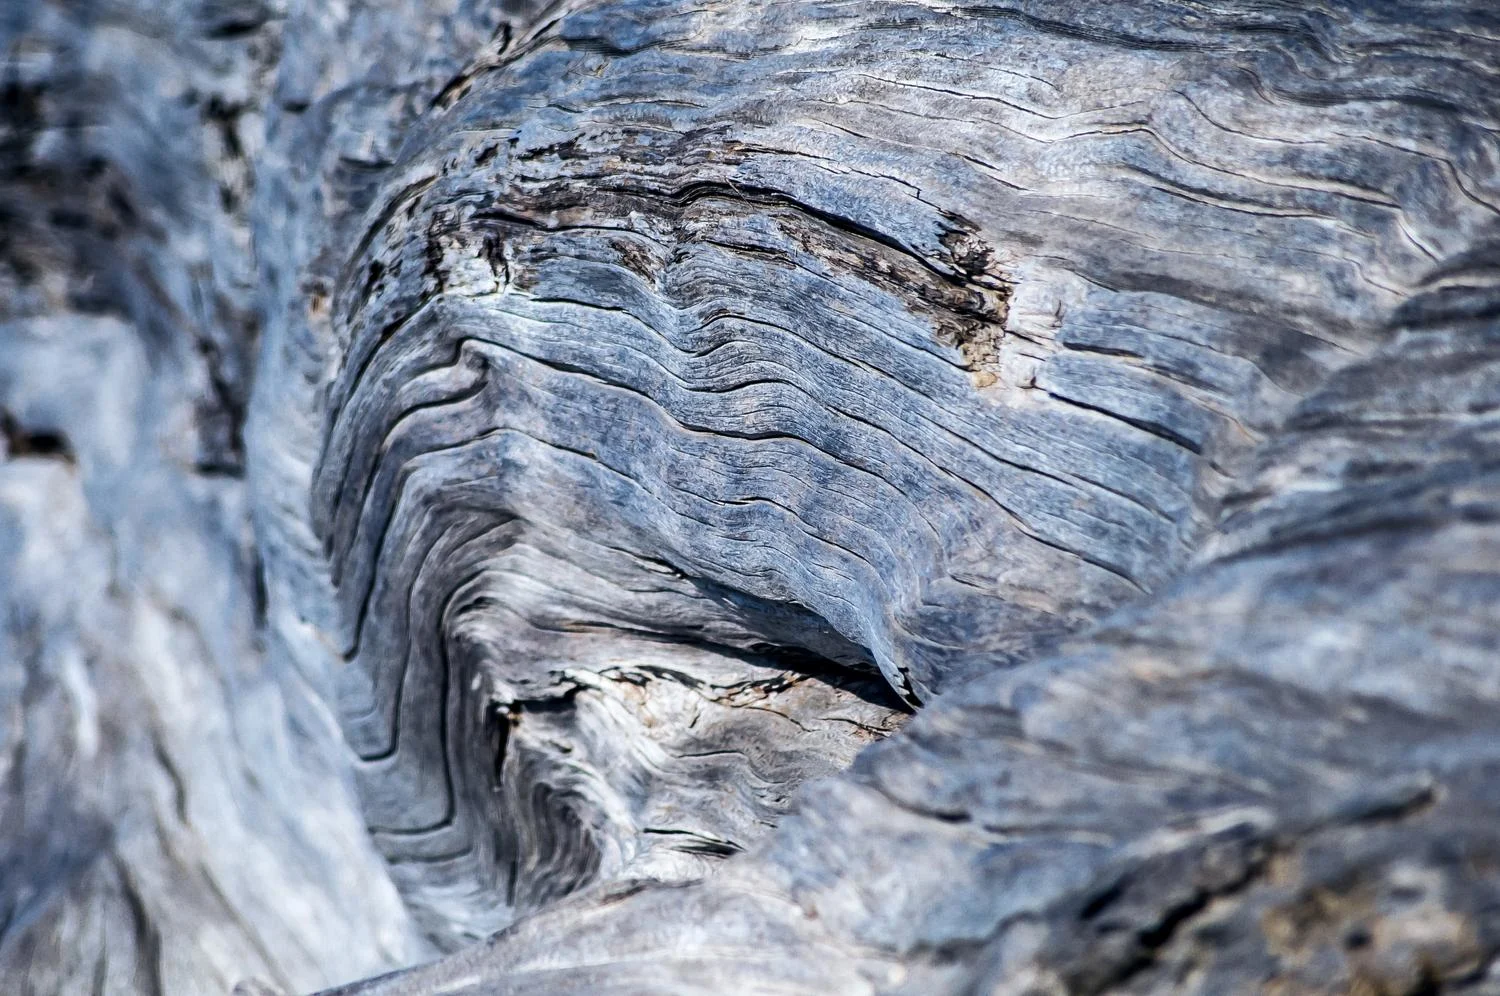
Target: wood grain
<point>656,403</point>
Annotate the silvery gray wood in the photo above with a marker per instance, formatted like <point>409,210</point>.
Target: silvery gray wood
<point>176,812</point>
<point>656,402</point>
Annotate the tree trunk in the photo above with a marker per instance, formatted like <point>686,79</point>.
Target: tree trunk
<point>471,463</point>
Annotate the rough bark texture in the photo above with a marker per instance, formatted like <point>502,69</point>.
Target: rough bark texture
<point>656,403</point>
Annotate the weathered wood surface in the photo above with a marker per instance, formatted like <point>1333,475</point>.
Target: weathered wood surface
<point>656,401</point>
<point>175,808</point>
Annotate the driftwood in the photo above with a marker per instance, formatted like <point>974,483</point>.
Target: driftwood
<point>482,477</point>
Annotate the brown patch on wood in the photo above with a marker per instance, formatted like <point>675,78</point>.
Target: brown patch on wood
<point>20,441</point>
<point>635,259</point>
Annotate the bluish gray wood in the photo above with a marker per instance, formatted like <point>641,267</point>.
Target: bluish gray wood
<point>657,402</point>
<point>175,806</point>
<point>911,338</point>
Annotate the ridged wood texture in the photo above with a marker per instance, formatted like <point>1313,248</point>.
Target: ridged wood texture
<point>658,402</point>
